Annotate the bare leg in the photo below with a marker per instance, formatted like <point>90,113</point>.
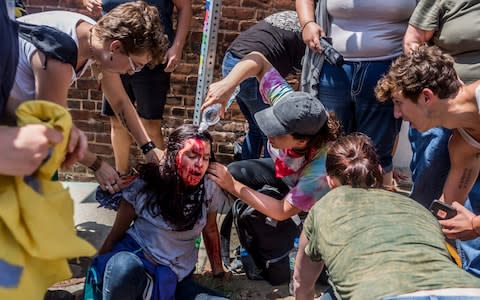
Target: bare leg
<point>154,130</point>
<point>121,141</point>
<point>306,272</point>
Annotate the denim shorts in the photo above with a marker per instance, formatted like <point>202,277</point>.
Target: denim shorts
<point>349,92</point>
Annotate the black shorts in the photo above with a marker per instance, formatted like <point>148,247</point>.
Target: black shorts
<point>147,90</point>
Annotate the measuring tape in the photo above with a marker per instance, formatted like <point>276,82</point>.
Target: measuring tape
<point>207,54</point>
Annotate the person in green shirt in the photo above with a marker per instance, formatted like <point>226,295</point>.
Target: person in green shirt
<point>375,243</point>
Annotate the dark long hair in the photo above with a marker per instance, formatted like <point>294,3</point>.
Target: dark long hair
<point>329,132</point>
<point>168,196</point>
<point>352,159</point>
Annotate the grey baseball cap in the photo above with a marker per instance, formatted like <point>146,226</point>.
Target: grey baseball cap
<point>296,112</point>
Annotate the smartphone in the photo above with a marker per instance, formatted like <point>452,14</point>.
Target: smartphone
<point>442,210</point>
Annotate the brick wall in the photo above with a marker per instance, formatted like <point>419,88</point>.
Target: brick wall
<point>84,99</point>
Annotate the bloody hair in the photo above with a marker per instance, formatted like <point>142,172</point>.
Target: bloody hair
<point>137,26</point>
<point>352,159</point>
<point>167,192</point>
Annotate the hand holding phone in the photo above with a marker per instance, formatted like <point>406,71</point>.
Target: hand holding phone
<point>442,210</point>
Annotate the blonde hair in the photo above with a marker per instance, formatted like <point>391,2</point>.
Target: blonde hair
<point>137,26</point>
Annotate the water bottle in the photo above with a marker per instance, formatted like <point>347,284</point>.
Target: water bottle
<point>211,114</point>
<point>291,259</point>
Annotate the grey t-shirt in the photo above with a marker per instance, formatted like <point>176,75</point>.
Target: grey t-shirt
<point>369,29</point>
<point>175,249</point>
<point>457,31</point>
<point>376,243</point>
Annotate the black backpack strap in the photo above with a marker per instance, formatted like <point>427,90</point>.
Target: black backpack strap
<point>51,41</point>
<point>225,232</point>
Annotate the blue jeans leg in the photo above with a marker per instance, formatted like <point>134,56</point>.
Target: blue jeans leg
<point>469,251</point>
<point>430,163</point>
<point>349,92</point>
<point>124,277</point>
<point>250,101</point>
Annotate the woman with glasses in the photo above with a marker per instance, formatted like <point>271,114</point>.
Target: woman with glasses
<point>121,42</point>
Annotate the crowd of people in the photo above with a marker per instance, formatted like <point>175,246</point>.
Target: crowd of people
<point>327,149</point>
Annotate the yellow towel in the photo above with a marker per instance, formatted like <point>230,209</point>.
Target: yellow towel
<point>37,232</point>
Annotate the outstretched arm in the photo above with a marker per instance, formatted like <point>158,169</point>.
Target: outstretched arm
<point>252,65</point>
<point>125,216</point>
<point>212,243</point>
<point>269,206</point>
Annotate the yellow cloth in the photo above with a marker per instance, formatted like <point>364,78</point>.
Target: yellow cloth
<point>37,232</point>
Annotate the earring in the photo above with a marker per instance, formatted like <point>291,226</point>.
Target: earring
<point>111,55</point>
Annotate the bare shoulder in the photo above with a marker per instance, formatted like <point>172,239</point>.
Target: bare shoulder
<point>464,147</point>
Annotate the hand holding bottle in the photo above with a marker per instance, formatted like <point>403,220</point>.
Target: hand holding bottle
<point>219,92</point>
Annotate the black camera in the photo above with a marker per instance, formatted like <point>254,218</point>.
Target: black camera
<point>331,55</point>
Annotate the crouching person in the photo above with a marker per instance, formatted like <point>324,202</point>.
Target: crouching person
<point>170,205</point>
<point>376,244</point>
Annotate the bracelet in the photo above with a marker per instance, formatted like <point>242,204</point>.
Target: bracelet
<point>96,164</point>
<point>474,227</point>
<point>147,147</point>
<point>305,25</point>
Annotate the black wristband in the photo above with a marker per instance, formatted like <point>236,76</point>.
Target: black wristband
<point>147,147</point>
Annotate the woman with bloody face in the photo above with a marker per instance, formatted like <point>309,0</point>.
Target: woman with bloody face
<point>170,206</point>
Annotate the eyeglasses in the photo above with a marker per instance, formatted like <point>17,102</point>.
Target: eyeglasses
<point>134,68</point>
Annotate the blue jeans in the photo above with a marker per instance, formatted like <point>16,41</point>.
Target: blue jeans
<point>430,163</point>
<point>430,166</point>
<point>124,277</point>
<point>349,92</point>
<point>250,101</point>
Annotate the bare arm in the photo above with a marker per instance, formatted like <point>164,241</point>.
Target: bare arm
<point>464,170</point>
<point>125,216</point>
<point>52,84</point>
<point>414,37</point>
<point>105,175</point>
<point>126,112</point>
<point>252,65</point>
<point>174,53</point>
<point>311,31</point>
<point>306,272</point>
<point>212,243</point>
<point>276,209</point>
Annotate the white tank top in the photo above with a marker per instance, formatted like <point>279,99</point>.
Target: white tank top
<point>24,86</point>
<point>465,135</point>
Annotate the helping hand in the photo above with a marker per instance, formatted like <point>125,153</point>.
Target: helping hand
<point>93,6</point>
<point>155,156</point>
<point>108,178</point>
<point>218,92</point>
<point>221,176</point>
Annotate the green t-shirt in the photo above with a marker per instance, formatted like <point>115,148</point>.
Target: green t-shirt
<point>376,243</point>
<point>457,31</point>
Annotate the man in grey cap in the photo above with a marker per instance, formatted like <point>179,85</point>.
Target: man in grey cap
<point>298,129</point>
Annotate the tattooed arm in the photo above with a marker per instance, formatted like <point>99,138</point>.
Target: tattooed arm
<point>465,166</point>
<point>126,113</point>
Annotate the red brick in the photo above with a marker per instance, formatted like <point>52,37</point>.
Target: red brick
<point>257,3</point>
<point>77,94</point>
<point>239,13</point>
<point>74,104</point>
<point>103,138</point>
<point>100,148</point>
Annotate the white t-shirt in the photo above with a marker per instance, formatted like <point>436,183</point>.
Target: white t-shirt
<point>24,86</point>
<point>369,29</point>
<point>175,249</point>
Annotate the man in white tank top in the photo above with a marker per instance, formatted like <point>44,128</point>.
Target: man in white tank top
<point>426,92</point>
